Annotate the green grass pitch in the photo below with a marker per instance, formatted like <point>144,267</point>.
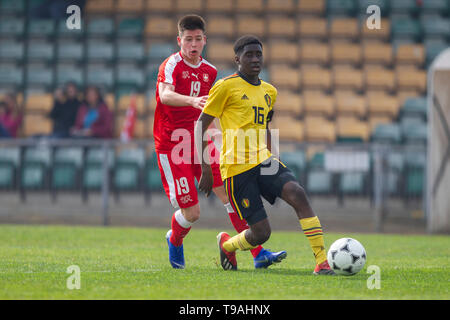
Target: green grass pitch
<point>132,263</point>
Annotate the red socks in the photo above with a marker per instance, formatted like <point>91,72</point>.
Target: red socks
<point>180,228</point>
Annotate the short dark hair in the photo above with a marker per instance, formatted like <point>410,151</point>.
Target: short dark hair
<point>244,41</point>
<point>191,22</point>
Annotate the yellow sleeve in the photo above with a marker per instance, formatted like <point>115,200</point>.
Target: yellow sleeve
<point>217,99</point>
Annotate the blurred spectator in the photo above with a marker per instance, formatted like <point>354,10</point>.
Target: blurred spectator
<point>54,9</point>
<point>94,119</point>
<point>64,111</point>
<point>11,116</point>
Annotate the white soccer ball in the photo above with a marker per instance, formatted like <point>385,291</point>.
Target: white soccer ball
<point>346,256</point>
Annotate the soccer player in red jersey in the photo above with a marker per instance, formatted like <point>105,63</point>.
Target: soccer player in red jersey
<point>184,80</point>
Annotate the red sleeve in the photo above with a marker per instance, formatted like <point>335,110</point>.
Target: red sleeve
<point>168,71</point>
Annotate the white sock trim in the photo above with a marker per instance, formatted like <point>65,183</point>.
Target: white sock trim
<point>228,207</point>
<point>182,220</point>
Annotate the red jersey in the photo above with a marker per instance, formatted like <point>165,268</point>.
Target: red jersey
<point>190,80</point>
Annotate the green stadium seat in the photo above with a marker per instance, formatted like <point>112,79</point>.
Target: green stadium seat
<point>9,162</point>
<point>405,28</point>
<point>12,6</point>
<point>41,28</point>
<point>100,76</point>
<point>40,50</point>
<point>70,50</point>
<point>387,132</point>
<point>93,170</point>
<point>152,75</point>
<point>317,160</point>
<point>100,50</point>
<point>433,49</point>
<point>127,169</point>
<point>435,6</point>
<point>160,51</point>
<point>34,168</point>
<point>414,132</point>
<point>128,50</point>
<point>65,33</point>
<point>415,106</point>
<point>100,27</point>
<point>12,27</point>
<point>39,75</point>
<point>339,7</point>
<point>351,183</point>
<point>66,165</point>
<point>296,161</point>
<point>131,27</point>
<point>436,27</point>
<point>11,50</point>
<point>66,73</point>
<point>152,174</point>
<point>415,182</point>
<point>130,76</point>
<point>403,6</point>
<point>319,182</point>
<point>11,76</point>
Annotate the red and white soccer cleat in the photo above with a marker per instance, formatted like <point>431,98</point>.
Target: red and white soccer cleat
<point>324,269</point>
<point>227,259</point>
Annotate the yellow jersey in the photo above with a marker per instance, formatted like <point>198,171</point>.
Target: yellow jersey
<point>243,110</point>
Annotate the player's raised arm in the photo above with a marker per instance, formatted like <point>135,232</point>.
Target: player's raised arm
<point>206,180</point>
<point>169,97</point>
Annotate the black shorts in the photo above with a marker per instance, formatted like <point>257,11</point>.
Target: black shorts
<point>245,189</point>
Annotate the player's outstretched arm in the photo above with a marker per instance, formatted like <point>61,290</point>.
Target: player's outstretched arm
<point>169,97</point>
<point>206,180</point>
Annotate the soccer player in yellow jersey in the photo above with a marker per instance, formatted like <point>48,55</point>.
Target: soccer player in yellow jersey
<point>244,105</point>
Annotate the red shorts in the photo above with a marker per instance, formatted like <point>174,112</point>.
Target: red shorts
<point>178,179</point>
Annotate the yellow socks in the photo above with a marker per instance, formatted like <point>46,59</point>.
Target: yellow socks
<point>237,242</point>
<point>313,231</point>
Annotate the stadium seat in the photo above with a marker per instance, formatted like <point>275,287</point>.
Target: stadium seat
<point>382,4</point>
<point>342,52</point>
<point>351,183</point>
<point>125,101</point>
<point>250,24</point>
<point>152,174</point>
<point>282,26</point>
<point>100,6</point>
<point>220,51</point>
<point>319,129</point>
<point>351,129</point>
<point>436,27</point>
<point>381,34</point>
<point>380,78</point>
<point>130,27</point>
<point>220,26</point>
<point>70,51</point>
<point>284,77</point>
<point>9,162</point>
<point>389,133</point>
<point>158,51</point>
<point>382,104</point>
<point>159,6</point>
<point>405,94</point>
<point>130,6</point>
<point>318,182</point>
<point>133,51</point>
<point>316,102</point>
<point>219,6</point>
<point>39,102</point>
<point>289,128</point>
<point>100,76</point>
<point>280,6</point>
<point>414,131</point>
<point>65,33</point>
<point>415,107</point>
<point>159,27</point>
<point>308,7</point>
<point>11,50</point>
<point>12,27</point>
<point>433,49</point>
<point>375,52</point>
<point>403,6</point>
<point>375,120</point>
<point>66,165</point>
<point>296,161</point>
<point>140,131</point>
<point>66,73</point>
<point>341,7</point>
<point>313,77</point>
<point>127,169</point>
<point>40,50</point>
<point>41,28</point>
<point>316,157</point>
<point>100,50</point>
<point>410,54</point>
<point>12,6</point>
<point>188,6</point>
<point>255,6</point>
<point>405,28</point>
<point>348,77</point>
<point>282,51</point>
<point>36,124</point>
<point>435,6</point>
<point>40,76</point>
<point>347,28</point>
<point>11,76</point>
<point>348,102</point>
<point>100,27</point>
<point>92,177</point>
<point>288,102</point>
<point>34,169</point>
<point>314,53</point>
<point>315,28</point>
<point>411,78</point>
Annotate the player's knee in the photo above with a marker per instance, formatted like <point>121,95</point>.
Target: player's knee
<point>296,193</point>
<point>191,214</point>
<point>262,235</point>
